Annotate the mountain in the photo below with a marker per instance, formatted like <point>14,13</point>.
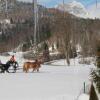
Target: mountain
<point>75,8</point>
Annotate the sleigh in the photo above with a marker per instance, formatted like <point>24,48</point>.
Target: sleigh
<point>9,67</point>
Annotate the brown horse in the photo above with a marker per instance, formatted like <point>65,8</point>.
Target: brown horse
<point>31,65</point>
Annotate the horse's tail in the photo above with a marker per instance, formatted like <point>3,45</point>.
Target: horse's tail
<point>24,68</point>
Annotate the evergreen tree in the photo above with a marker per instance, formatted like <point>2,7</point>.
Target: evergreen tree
<point>93,95</point>
<point>96,74</point>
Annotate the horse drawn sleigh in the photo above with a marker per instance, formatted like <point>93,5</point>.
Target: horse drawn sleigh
<point>15,66</point>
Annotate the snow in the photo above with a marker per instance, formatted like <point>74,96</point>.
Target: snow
<point>76,8</point>
<point>5,21</point>
<point>55,81</point>
<point>78,4</point>
<point>84,97</point>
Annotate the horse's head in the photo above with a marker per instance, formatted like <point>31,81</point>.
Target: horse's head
<point>40,61</point>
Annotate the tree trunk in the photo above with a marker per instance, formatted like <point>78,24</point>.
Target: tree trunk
<point>67,58</point>
<point>93,95</point>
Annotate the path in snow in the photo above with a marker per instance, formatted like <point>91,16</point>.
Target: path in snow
<point>51,83</point>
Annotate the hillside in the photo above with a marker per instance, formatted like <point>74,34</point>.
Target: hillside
<point>54,26</point>
<point>22,26</point>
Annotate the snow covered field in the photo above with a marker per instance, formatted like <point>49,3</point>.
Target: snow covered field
<point>53,82</point>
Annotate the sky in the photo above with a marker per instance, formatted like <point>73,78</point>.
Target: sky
<point>52,3</point>
<point>90,5</point>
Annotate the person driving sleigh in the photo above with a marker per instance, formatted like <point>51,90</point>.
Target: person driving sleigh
<point>12,59</point>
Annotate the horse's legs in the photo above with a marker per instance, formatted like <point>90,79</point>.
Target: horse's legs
<point>33,69</point>
<point>37,69</point>
<point>26,70</point>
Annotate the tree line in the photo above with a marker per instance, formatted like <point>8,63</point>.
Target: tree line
<point>55,26</point>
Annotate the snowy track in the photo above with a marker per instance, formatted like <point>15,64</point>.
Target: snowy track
<point>51,83</point>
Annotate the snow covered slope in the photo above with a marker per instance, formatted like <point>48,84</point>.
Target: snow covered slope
<point>75,8</point>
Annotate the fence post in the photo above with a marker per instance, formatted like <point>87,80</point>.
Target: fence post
<point>84,87</point>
